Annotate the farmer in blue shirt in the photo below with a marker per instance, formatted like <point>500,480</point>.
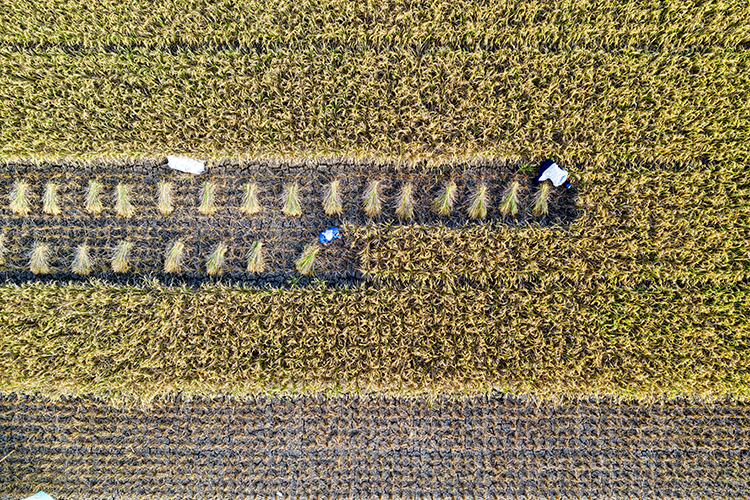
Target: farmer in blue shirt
<point>329,235</point>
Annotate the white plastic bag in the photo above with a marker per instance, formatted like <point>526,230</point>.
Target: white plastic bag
<point>185,164</point>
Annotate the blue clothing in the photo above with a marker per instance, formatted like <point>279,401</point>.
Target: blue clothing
<point>329,235</point>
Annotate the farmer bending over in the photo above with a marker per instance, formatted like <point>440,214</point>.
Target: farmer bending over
<point>329,235</point>
<point>550,171</point>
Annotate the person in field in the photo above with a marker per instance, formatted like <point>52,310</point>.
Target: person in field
<point>327,236</point>
<point>550,171</point>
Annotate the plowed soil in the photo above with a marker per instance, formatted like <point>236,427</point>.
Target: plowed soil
<point>352,447</point>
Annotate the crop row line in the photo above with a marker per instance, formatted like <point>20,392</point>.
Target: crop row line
<point>477,204</point>
<point>535,24</point>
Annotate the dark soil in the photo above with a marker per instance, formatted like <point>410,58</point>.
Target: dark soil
<point>364,447</point>
<point>283,237</point>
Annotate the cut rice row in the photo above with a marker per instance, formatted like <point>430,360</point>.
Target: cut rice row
<point>83,264</point>
<point>372,202</point>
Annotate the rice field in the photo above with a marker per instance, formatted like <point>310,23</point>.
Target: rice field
<point>364,447</point>
<point>417,129</point>
<point>595,81</point>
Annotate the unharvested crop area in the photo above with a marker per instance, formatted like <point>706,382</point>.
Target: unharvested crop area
<point>576,79</point>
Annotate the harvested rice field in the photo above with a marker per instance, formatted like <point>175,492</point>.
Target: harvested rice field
<point>364,447</point>
<point>473,333</point>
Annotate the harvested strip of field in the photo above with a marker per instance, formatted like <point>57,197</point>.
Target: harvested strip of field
<point>202,224</point>
<point>349,447</point>
<point>256,24</point>
<point>391,102</point>
<point>543,340</point>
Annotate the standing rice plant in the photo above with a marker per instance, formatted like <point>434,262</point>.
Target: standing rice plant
<point>332,199</point>
<point>250,204</point>
<point>541,200</point>
<point>215,262</point>
<point>443,203</point>
<point>405,202</point>
<point>164,199</point>
<point>173,258</point>
<point>39,259</point>
<point>255,262</point>
<point>93,198</point>
<point>509,205</point>
<point>208,199</point>
<point>19,198</point>
<point>123,206</point>
<point>478,203</point>
<point>305,264</point>
<point>49,203</point>
<point>121,257</point>
<point>82,263</point>
<point>3,248</point>
<point>290,198</point>
<point>371,199</point>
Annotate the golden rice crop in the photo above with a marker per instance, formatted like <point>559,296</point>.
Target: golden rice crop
<point>290,200</point>
<point>250,203</point>
<point>93,198</point>
<point>379,117</point>
<point>49,202</point>
<point>332,199</point>
<point>19,198</point>
<point>554,339</point>
<point>534,25</point>
<point>633,229</point>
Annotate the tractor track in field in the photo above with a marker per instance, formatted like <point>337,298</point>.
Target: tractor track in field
<point>364,447</point>
<point>283,237</point>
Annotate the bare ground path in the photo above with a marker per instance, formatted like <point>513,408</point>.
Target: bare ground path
<point>496,447</point>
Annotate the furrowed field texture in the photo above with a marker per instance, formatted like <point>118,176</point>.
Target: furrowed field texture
<point>415,127</point>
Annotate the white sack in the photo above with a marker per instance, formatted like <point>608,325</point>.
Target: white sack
<point>185,164</point>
